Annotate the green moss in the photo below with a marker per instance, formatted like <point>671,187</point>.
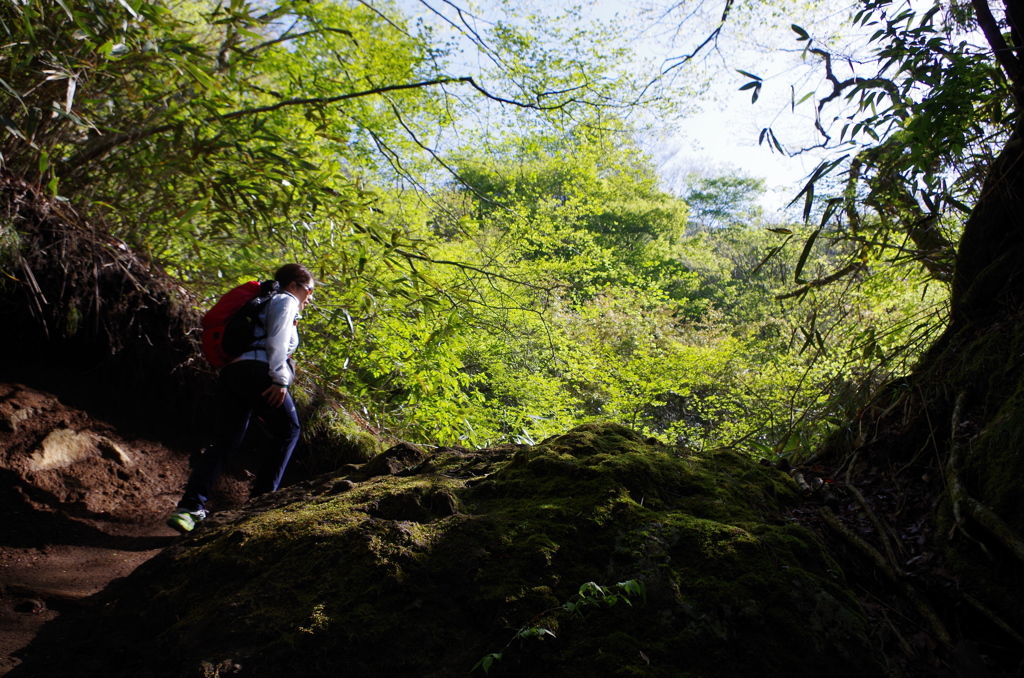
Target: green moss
<point>442,560</point>
<point>335,437</point>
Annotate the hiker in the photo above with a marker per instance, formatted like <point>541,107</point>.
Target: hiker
<point>255,383</point>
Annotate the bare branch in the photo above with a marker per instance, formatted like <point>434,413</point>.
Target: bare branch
<point>385,17</point>
<point>285,37</point>
<point>712,37</point>
<point>324,101</point>
<point>437,158</point>
<point>468,267</point>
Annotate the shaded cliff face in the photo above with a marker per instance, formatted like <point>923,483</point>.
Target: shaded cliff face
<point>91,320</point>
<point>952,429</point>
<point>422,564</point>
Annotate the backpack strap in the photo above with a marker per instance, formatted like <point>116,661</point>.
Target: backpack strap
<point>243,330</point>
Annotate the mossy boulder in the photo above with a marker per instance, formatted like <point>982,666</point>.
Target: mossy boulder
<point>427,568</point>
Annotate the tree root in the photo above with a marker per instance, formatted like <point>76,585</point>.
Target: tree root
<point>938,629</point>
<point>992,617</point>
<point>883,534</point>
<point>963,502</point>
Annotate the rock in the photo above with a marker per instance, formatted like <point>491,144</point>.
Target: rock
<point>393,460</point>
<point>10,416</point>
<point>486,552</point>
<point>64,447</point>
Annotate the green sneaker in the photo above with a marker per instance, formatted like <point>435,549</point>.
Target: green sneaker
<point>185,521</point>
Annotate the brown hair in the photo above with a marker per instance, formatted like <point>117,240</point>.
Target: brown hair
<point>290,273</point>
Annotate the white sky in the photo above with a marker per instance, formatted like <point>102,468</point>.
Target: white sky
<point>721,134</point>
<point>724,136</point>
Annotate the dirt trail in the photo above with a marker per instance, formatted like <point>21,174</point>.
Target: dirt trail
<point>40,582</point>
<point>82,506</point>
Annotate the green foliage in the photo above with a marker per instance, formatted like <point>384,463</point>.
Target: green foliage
<point>590,594</point>
<point>721,201</point>
<point>200,133</point>
<point>590,184</point>
<point>918,125</point>
<point>545,281</point>
<point>696,339</point>
<point>221,137</point>
<point>486,661</point>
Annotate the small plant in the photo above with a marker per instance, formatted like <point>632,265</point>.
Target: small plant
<point>525,439</point>
<point>590,594</point>
<point>318,621</point>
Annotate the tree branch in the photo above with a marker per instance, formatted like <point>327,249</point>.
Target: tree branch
<point>469,267</point>
<point>839,86</point>
<point>712,37</point>
<point>821,282</point>
<point>101,146</point>
<point>437,158</point>
<point>1003,53</point>
<point>325,101</point>
<point>285,37</point>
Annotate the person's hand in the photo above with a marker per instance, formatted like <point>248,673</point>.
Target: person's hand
<point>275,395</point>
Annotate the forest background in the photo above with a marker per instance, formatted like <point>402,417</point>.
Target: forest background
<point>497,255</point>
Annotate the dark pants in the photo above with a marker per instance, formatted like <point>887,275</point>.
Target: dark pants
<point>239,397</point>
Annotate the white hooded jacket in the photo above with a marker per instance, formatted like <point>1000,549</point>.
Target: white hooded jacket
<point>277,337</point>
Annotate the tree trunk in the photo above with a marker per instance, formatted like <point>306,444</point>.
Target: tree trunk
<point>988,282</point>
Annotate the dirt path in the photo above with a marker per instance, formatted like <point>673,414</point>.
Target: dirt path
<point>82,505</point>
<point>41,582</point>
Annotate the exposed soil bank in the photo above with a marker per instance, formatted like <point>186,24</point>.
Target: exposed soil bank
<point>83,506</point>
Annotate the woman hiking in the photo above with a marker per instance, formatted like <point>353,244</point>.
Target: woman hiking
<point>254,383</point>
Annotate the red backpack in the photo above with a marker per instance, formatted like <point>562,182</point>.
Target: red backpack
<point>216,320</point>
